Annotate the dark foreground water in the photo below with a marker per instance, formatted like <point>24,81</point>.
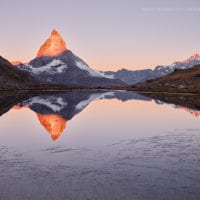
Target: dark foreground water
<point>98,146</point>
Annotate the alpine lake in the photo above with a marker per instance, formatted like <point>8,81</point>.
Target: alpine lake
<point>99,145</point>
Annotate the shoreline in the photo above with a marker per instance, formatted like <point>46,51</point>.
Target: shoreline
<point>54,89</point>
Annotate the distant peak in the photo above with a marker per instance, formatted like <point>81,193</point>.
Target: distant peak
<point>193,57</point>
<point>53,46</point>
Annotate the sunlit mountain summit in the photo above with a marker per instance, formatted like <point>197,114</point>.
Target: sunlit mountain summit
<point>53,46</point>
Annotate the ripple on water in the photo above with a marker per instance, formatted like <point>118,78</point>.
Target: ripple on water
<point>161,167</point>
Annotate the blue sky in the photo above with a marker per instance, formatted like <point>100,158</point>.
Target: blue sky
<point>107,34</point>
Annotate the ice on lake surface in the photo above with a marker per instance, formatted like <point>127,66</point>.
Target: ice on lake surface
<point>99,145</point>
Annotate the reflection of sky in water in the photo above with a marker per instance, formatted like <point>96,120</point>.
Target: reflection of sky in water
<point>136,146</point>
<point>101,123</point>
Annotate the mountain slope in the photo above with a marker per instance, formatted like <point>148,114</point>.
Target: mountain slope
<point>55,64</point>
<point>13,78</point>
<point>131,76</point>
<point>182,79</point>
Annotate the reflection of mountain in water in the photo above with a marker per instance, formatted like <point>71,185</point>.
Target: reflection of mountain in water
<point>187,102</point>
<point>68,104</point>
<point>54,110</point>
<point>54,124</point>
<point>195,113</point>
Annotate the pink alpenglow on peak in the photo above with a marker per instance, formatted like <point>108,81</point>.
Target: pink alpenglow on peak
<point>16,62</point>
<point>53,46</point>
<point>195,56</point>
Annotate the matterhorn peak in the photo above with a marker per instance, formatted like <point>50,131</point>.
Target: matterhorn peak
<point>53,46</point>
<point>55,32</point>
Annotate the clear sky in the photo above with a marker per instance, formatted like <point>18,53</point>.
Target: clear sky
<point>106,34</point>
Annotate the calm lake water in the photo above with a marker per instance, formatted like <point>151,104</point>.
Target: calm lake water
<point>111,145</point>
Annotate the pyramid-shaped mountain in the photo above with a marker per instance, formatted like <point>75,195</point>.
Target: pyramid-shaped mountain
<point>53,46</point>
<point>55,64</point>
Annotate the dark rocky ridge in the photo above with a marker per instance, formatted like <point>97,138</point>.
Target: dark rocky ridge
<point>13,78</point>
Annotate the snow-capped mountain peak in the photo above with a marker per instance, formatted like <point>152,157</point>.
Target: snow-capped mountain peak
<point>185,64</point>
<point>195,56</point>
<point>53,46</point>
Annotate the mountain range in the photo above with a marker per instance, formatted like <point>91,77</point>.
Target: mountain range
<point>132,77</point>
<point>55,66</point>
<point>181,80</point>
